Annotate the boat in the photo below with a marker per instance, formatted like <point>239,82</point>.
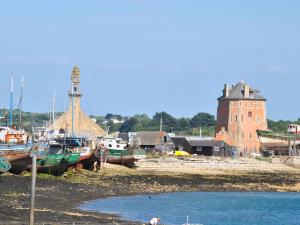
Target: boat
<point>86,148</point>
<point>15,145</point>
<point>4,165</point>
<point>280,144</point>
<point>56,160</point>
<point>16,148</point>
<point>114,150</point>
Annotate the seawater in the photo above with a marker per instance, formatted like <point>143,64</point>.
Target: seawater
<point>221,208</point>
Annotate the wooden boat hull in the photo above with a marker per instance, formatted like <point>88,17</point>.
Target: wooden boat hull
<point>57,164</point>
<point>122,157</point>
<point>18,165</point>
<point>19,160</point>
<point>55,170</point>
<point>18,156</point>
<point>88,162</point>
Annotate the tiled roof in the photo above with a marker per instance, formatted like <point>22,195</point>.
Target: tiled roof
<point>150,137</point>
<point>237,92</point>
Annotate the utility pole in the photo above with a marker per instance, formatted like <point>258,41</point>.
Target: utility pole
<point>53,109</point>
<point>160,126</point>
<point>200,132</point>
<point>33,183</point>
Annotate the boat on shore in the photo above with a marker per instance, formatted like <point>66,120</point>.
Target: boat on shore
<point>16,148</point>
<point>15,145</point>
<point>114,150</point>
<point>86,148</point>
<point>56,159</point>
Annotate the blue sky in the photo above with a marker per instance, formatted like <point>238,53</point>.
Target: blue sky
<point>145,56</point>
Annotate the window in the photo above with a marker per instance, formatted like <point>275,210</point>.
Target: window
<point>250,136</point>
<point>236,118</point>
<point>75,89</point>
<point>250,114</point>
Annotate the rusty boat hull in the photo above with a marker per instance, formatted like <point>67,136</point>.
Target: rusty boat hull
<point>18,156</point>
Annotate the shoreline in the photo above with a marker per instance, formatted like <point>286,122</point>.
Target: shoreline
<point>57,198</point>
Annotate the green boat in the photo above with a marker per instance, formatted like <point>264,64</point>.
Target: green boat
<point>57,160</point>
<point>114,151</point>
<point>4,165</point>
<point>57,164</point>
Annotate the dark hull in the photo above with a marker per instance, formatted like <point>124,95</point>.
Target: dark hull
<point>88,163</point>
<point>18,165</point>
<point>56,170</point>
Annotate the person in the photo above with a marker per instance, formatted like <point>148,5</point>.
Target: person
<point>154,221</point>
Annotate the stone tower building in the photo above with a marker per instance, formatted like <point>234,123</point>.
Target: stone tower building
<point>241,112</point>
<point>74,120</point>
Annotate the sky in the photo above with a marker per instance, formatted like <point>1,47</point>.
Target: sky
<point>147,56</point>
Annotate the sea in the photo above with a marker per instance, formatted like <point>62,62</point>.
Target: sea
<point>206,208</point>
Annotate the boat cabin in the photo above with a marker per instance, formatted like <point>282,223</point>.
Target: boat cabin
<point>293,129</point>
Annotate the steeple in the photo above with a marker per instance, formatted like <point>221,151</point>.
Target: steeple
<point>74,121</point>
<point>75,79</point>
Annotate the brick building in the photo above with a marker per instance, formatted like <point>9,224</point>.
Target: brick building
<point>241,112</point>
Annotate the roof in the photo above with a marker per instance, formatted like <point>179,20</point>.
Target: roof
<point>207,143</point>
<point>151,137</point>
<point>237,92</point>
<point>178,141</point>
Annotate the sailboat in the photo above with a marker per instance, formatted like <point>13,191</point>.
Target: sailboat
<point>14,143</point>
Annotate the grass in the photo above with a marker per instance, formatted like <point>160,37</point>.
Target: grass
<point>14,195</point>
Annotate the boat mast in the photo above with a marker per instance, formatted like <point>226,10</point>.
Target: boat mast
<point>11,101</point>
<point>21,103</point>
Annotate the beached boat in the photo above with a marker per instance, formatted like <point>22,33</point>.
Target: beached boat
<point>84,147</point>
<point>4,165</point>
<point>14,143</point>
<point>15,147</point>
<point>114,150</point>
<point>57,160</point>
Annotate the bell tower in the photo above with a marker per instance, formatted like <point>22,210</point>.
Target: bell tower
<point>75,79</point>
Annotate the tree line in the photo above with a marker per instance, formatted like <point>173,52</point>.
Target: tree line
<point>142,122</point>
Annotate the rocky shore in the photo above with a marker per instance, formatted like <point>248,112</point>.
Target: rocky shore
<point>57,198</point>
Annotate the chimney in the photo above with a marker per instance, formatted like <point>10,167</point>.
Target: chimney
<point>246,91</point>
<point>226,91</point>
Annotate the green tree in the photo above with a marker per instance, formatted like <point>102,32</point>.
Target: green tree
<point>167,119</point>
<point>128,125</point>
<point>203,120</point>
<point>183,124</point>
